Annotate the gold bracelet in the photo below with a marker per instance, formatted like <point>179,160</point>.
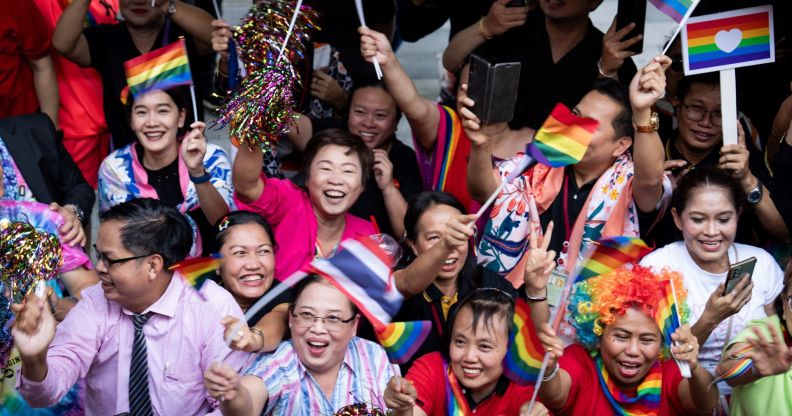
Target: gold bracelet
<point>261,334</point>
<point>483,31</point>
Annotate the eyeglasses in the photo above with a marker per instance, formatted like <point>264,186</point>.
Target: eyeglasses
<point>109,263</point>
<point>696,113</point>
<point>331,323</point>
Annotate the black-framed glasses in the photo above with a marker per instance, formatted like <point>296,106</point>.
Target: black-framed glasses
<point>306,319</point>
<point>110,262</point>
<point>696,113</point>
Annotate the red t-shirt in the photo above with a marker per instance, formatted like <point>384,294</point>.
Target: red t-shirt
<point>429,380</point>
<point>586,396</point>
<point>24,36</point>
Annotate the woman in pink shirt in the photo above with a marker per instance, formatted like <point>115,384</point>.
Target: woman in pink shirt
<point>308,222</point>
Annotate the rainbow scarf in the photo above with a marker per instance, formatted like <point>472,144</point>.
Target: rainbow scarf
<point>647,398</point>
<point>524,356</point>
<point>456,405</point>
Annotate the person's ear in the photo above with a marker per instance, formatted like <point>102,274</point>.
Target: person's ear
<point>622,144</point>
<point>677,218</point>
<point>412,247</point>
<point>182,117</point>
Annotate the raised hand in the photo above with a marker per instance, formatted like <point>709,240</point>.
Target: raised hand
<point>222,382</point>
<point>540,262</point>
<point>71,232</point>
<point>538,409</point>
<point>327,89</point>
<point>400,395</point>
<point>34,328</point>
<point>686,346</point>
<point>734,160</point>
<point>551,343</point>
<point>383,169</point>
<point>770,356</point>
<point>648,85</point>
<point>221,35</point>
<point>479,134</point>
<point>614,48</point>
<point>374,44</point>
<point>502,18</point>
<point>459,231</point>
<point>193,149</point>
<point>243,339</point>
<point>719,306</point>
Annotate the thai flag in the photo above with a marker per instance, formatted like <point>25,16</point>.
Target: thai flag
<point>361,270</point>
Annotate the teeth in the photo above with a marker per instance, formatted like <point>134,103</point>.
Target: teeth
<point>317,344</point>
<point>154,135</point>
<point>367,134</point>
<point>472,370</point>
<point>450,262</point>
<point>252,278</point>
<point>334,194</point>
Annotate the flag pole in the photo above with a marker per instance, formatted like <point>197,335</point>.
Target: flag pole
<point>680,26</point>
<point>684,367</point>
<point>194,104</point>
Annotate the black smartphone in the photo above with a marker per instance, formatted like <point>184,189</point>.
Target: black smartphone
<point>516,3</point>
<point>493,88</point>
<point>632,11</point>
<point>737,271</point>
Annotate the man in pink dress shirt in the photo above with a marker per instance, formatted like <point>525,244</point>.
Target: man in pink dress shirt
<point>175,331</point>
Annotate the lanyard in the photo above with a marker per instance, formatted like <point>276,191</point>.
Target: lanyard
<point>565,206</point>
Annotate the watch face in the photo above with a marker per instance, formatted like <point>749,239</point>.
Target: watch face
<point>755,195</point>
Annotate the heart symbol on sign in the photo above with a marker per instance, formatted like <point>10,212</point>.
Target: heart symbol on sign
<point>728,40</point>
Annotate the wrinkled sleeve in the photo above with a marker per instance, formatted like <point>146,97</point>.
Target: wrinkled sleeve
<point>218,165</point>
<point>112,188</point>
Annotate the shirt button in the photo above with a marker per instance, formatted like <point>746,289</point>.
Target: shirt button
<point>574,196</point>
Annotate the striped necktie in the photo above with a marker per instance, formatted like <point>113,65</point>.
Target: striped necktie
<point>139,398</point>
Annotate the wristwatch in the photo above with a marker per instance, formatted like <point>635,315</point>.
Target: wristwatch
<point>78,212</point>
<point>654,124</point>
<point>755,194</point>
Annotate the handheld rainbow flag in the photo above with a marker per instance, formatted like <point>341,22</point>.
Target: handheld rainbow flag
<point>563,138</point>
<point>728,40</point>
<point>675,9</point>
<point>402,339</point>
<point>667,315</point>
<point>523,360</point>
<point>611,253</point>
<point>162,68</point>
<point>198,270</point>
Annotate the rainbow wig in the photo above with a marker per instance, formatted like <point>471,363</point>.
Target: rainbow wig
<point>598,301</point>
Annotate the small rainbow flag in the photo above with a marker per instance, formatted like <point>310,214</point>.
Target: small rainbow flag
<point>524,358</point>
<point>675,9</point>
<point>610,254</point>
<point>402,339</point>
<point>667,315</point>
<point>198,270</point>
<point>563,138</point>
<point>729,40</point>
<point>162,68</point>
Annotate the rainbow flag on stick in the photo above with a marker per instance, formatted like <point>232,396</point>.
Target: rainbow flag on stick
<point>524,357</point>
<point>198,270</point>
<point>402,339</point>
<point>675,9</point>
<point>611,253</point>
<point>161,69</point>
<point>563,138</point>
<point>728,40</point>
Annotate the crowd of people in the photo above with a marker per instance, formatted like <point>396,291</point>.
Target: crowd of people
<point>122,332</point>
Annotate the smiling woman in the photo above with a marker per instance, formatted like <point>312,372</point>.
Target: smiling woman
<point>169,163</point>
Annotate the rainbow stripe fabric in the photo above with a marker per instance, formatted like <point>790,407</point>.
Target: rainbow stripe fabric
<point>163,68</point>
<point>714,42</point>
<point>647,396</point>
<point>402,339</point>
<point>456,405</point>
<point>198,270</point>
<point>450,129</point>
<point>675,9</point>
<point>523,359</point>
<point>610,254</point>
<point>667,315</point>
<point>743,364</point>
<point>563,138</point>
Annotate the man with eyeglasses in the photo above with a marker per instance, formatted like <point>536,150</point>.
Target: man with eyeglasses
<point>694,138</point>
<point>141,338</point>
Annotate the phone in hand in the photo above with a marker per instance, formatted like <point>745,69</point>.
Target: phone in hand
<point>493,89</point>
<point>516,3</point>
<point>737,271</point>
<point>632,11</point>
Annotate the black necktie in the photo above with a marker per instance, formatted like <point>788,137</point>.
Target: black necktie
<point>139,398</point>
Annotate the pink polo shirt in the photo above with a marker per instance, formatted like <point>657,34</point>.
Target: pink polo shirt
<point>288,209</point>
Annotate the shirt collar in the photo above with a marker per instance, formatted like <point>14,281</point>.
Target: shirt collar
<point>167,303</point>
<point>432,293</point>
<point>500,391</point>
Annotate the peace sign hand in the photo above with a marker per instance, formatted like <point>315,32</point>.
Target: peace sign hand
<point>540,262</point>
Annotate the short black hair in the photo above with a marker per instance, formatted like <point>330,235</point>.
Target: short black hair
<point>367,82</point>
<point>706,176</point>
<point>151,227</point>
<point>622,123</point>
<point>338,137</point>
<point>308,280</point>
<point>686,83</point>
<point>486,304</point>
<point>241,218</point>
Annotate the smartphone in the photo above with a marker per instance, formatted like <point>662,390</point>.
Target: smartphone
<point>516,3</point>
<point>632,11</point>
<point>493,89</point>
<point>736,272</point>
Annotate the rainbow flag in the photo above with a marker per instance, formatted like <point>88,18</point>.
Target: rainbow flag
<point>610,254</point>
<point>667,315</point>
<point>161,69</point>
<point>524,357</point>
<point>675,9</point>
<point>729,39</point>
<point>456,405</point>
<point>402,339</point>
<point>198,270</point>
<point>563,138</point>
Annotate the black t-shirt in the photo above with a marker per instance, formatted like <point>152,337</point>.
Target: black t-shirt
<point>782,195</point>
<point>166,183</point>
<point>110,46</point>
<point>544,83</point>
<point>408,178</point>
<point>417,19</point>
<point>576,200</point>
